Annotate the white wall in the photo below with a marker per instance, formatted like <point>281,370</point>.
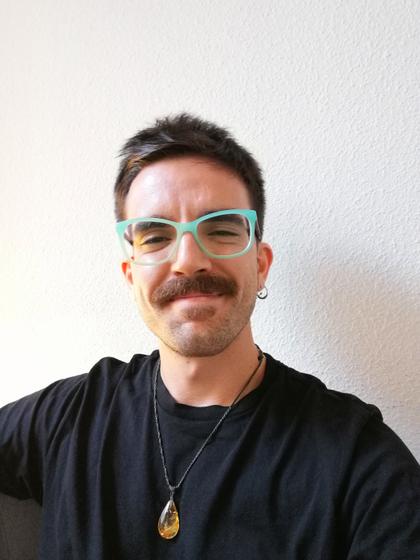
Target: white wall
<point>326,95</point>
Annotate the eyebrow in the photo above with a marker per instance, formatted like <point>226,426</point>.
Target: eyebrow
<point>211,211</point>
<point>236,219</point>
<point>142,226</point>
<point>215,210</point>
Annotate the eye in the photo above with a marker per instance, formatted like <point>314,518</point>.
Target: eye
<point>223,231</point>
<point>151,239</point>
<point>153,236</point>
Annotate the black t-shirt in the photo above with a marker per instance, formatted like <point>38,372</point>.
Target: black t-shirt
<point>296,471</point>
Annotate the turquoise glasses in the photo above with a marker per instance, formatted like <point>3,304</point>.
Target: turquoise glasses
<point>220,235</point>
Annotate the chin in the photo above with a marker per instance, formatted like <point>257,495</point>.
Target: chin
<point>200,344</point>
<point>201,331</point>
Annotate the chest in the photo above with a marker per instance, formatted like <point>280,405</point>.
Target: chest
<point>241,499</point>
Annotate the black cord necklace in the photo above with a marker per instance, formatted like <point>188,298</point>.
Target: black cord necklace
<point>168,525</point>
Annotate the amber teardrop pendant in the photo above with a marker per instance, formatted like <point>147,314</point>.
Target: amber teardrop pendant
<point>168,525</point>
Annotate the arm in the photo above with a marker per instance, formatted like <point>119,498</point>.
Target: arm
<point>26,429</point>
<point>382,497</point>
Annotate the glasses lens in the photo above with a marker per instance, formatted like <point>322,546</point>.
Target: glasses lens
<point>149,241</point>
<point>224,235</point>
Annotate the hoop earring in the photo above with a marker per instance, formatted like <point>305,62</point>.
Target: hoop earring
<point>263,293</point>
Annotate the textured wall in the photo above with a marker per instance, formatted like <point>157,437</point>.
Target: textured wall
<point>325,93</point>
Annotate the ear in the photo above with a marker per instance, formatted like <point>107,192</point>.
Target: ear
<point>128,274</point>
<point>264,260</point>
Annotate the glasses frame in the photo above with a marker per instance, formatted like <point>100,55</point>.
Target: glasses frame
<point>191,227</point>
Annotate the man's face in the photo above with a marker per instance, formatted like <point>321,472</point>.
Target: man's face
<point>195,323</point>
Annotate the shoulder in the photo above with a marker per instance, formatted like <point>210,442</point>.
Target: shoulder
<point>68,398</point>
<point>104,378</point>
<point>308,395</point>
<point>332,425</point>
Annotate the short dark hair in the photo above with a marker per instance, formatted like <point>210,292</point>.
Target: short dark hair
<point>185,134</point>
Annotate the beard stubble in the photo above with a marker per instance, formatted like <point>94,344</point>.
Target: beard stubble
<point>193,332</point>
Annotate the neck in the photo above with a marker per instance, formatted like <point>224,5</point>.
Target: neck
<point>211,380</point>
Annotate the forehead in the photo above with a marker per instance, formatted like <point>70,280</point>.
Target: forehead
<point>184,188</point>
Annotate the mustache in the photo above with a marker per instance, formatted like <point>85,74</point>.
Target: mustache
<point>178,287</point>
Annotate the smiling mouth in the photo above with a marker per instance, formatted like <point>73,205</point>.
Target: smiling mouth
<point>196,296</point>
<point>197,287</point>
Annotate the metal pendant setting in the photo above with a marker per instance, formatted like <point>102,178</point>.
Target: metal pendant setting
<point>168,524</point>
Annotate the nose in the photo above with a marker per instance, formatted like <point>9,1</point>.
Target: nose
<point>189,258</point>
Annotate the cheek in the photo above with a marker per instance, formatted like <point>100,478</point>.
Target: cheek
<point>246,278</point>
<point>249,272</point>
<point>252,281</point>
<point>145,281</point>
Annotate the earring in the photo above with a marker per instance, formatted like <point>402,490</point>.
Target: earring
<point>263,293</point>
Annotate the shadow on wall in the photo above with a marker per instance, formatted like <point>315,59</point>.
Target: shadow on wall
<point>372,326</point>
<point>19,528</point>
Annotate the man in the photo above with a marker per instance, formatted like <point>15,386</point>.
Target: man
<point>207,448</point>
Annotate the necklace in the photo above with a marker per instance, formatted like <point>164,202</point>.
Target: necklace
<point>168,525</point>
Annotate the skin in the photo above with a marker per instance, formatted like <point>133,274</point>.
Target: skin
<point>205,340</point>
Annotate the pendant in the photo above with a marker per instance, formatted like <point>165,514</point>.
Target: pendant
<point>168,525</point>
